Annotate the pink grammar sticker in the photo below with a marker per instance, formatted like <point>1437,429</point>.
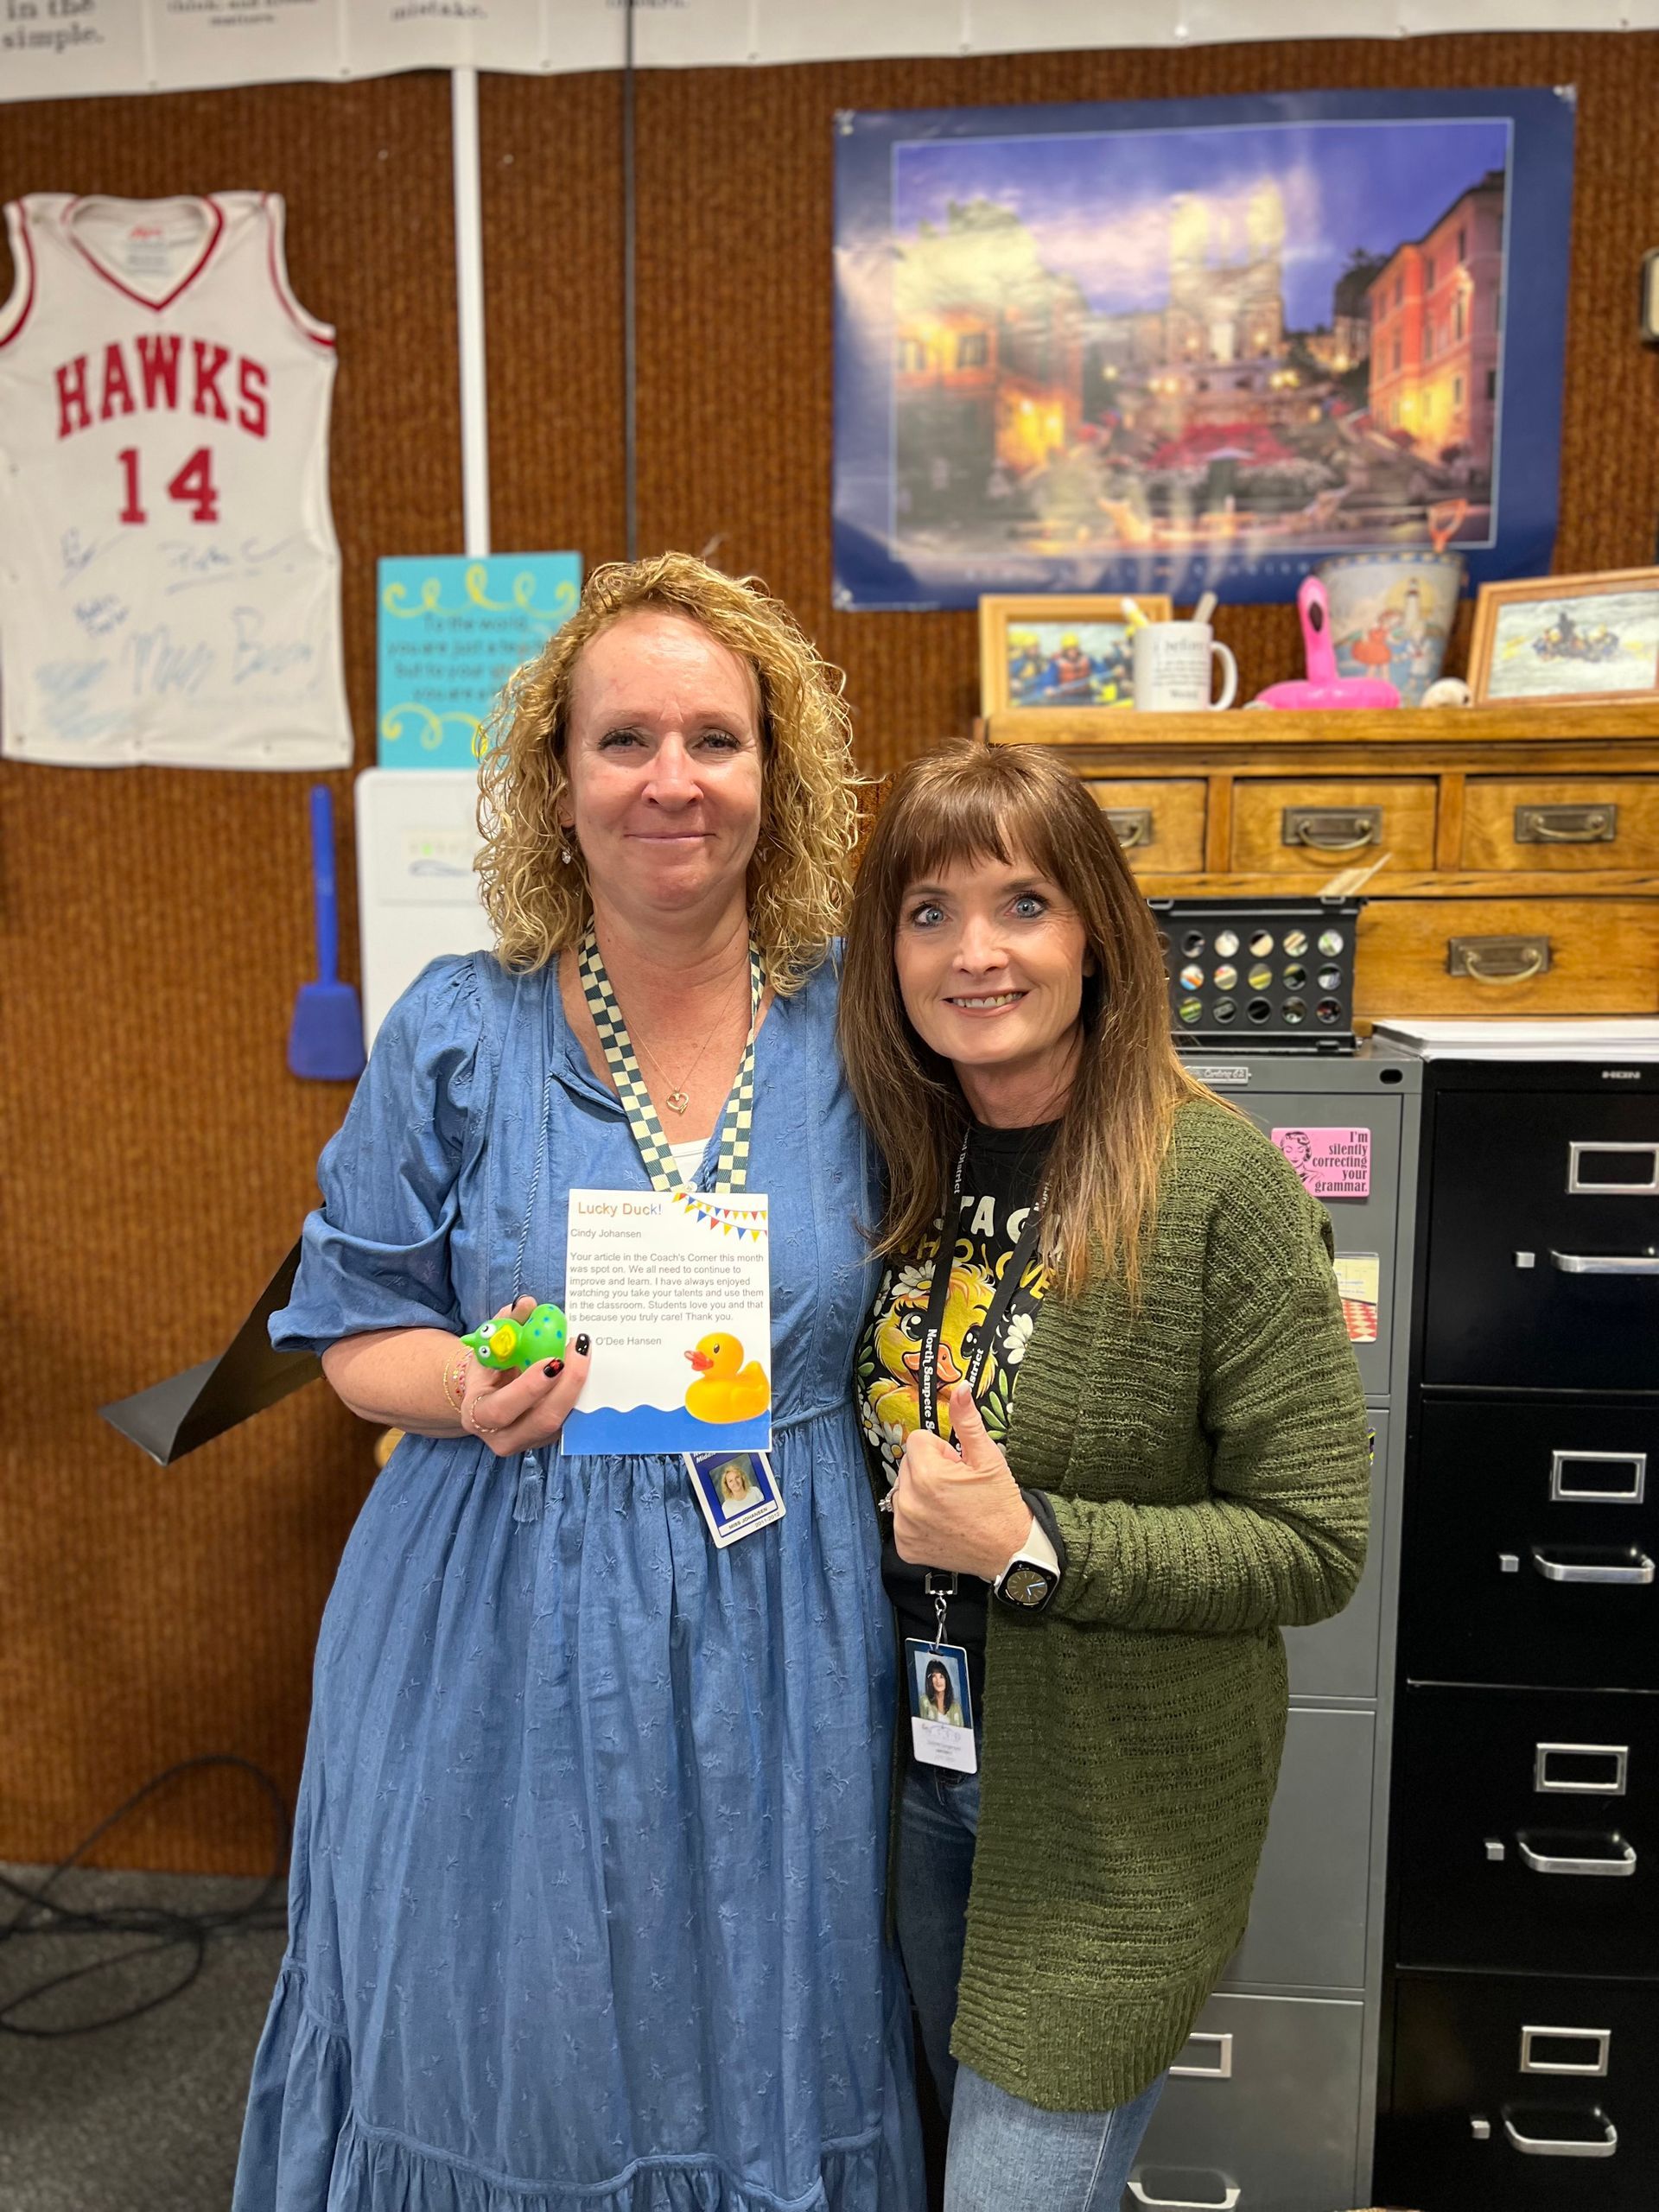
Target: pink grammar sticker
<point>1332,1163</point>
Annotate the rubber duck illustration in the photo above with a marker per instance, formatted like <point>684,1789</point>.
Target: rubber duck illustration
<point>726,1389</point>
<point>895,1401</point>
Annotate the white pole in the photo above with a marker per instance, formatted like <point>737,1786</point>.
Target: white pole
<point>469,313</point>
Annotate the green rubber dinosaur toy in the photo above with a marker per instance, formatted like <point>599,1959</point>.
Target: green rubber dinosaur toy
<point>506,1343</point>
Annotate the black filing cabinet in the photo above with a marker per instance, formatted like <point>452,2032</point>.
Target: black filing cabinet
<point>1521,2039</point>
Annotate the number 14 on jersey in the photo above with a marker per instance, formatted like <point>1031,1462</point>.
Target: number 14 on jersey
<point>193,487</point>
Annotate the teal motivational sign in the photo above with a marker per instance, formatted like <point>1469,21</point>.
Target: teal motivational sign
<point>450,632</point>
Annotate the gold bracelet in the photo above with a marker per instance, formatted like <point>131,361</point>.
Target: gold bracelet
<point>456,1374</point>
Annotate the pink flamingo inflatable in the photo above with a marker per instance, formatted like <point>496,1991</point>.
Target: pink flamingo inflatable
<point>1322,686</point>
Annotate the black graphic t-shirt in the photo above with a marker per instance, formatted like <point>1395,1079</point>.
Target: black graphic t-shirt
<point>1000,1180</point>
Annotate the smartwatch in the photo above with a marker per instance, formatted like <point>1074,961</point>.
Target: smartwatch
<point>1026,1584</point>
<point>1033,1575</point>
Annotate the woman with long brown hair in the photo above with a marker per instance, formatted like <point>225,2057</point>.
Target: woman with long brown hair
<point>1110,1547</point>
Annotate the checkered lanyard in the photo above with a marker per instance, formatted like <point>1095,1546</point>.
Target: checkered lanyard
<point>732,1168</point>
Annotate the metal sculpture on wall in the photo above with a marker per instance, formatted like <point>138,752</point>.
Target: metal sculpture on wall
<point>1176,344</point>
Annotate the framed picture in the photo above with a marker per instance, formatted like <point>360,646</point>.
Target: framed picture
<point>1557,637</point>
<point>1044,651</point>
<point>1197,344</point>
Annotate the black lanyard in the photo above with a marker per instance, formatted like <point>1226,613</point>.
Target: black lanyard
<point>939,1291</point>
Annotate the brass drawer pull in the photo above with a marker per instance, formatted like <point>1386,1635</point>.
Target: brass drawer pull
<point>1132,826</point>
<point>1566,825</point>
<point>1325,831</point>
<point>1498,959</point>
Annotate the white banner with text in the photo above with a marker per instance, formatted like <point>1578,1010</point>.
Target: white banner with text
<point>60,49</point>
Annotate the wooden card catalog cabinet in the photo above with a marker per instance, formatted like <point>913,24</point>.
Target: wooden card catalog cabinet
<point>1516,848</point>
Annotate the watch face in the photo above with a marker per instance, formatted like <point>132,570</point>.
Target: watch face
<point>1026,1586</point>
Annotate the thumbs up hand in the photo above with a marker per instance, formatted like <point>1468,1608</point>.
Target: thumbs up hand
<point>959,1508</point>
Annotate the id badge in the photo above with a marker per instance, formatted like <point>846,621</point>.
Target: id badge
<point>941,1707</point>
<point>737,1490</point>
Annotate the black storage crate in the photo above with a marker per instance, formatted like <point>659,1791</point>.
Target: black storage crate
<point>1273,973</point>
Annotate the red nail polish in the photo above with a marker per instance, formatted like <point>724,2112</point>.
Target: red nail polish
<point>553,1367</point>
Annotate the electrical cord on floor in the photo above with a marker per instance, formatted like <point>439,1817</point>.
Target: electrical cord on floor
<point>165,1929</point>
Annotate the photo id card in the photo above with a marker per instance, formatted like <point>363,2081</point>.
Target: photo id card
<point>737,1490</point>
<point>941,1709</point>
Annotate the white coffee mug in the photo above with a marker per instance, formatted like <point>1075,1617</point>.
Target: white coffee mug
<point>1173,669</point>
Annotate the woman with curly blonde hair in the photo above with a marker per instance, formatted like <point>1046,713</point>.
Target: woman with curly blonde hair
<point>557,1734</point>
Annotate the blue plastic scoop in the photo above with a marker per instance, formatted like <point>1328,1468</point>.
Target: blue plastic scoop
<point>325,1039</point>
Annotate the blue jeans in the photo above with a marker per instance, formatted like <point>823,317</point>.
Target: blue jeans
<point>1005,2155</point>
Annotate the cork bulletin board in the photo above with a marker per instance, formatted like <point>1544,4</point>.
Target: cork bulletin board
<point>156,922</point>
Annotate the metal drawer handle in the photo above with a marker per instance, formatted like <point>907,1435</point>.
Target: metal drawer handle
<point>1564,1491</point>
<point>1596,1263</point>
<point>1580,1151</point>
<point>1498,959</point>
<point>1223,2068</point>
<point>1543,1862</point>
<point>1545,1784</point>
<point>1132,826</point>
<point>1599,2039</point>
<point>1639,1571</point>
<point>1544,2146</point>
<point>1566,825</point>
<point>1186,2203</point>
<point>1325,831</point>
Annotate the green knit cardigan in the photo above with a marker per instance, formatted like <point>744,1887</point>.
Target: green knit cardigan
<point>1206,1456</point>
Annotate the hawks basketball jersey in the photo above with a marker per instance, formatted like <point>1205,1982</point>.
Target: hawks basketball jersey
<point>170,578</point>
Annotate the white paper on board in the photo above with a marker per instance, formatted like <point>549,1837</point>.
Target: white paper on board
<point>696,33</point>
<point>202,42</point>
<point>1017,27</point>
<point>417,894</point>
<point>806,31</point>
<point>578,35</point>
<point>1222,22</point>
<point>136,46</point>
<point>44,57</point>
<point>382,35</point>
<point>1424,18</point>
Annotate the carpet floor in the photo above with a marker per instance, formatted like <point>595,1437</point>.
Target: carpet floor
<point>144,2116</point>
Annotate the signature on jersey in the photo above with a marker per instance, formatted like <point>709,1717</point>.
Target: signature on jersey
<point>68,691</point>
<point>192,565</point>
<point>253,654</point>
<point>73,692</point>
<point>98,617</point>
<point>160,666</point>
<point>76,553</point>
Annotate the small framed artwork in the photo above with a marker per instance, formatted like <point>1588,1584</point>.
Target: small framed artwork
<point>1560,637</point>
<point>1046,651</point>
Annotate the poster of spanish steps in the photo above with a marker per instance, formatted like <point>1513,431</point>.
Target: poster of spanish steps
<point>1175,346</point>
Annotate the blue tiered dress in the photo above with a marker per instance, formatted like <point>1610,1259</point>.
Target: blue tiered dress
<point>587,1898</point>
